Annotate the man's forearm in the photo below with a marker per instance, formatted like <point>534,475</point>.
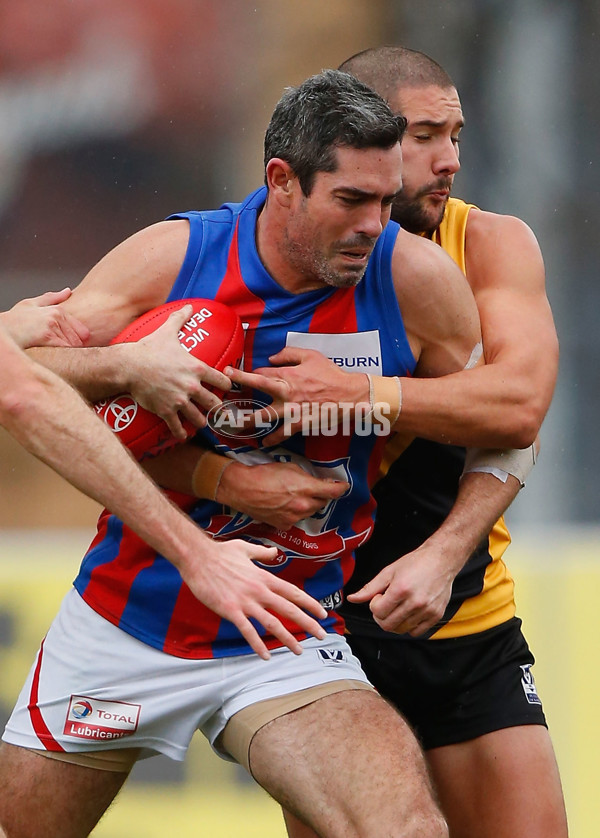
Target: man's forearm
<point>49,419</point>
<point>485,407</point>
<point>490,406</point>
<point>473,408</point>
<point>96,371</point>
<point>482,499</point>
<point>411,593</point>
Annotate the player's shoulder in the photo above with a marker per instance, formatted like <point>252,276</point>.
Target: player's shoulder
<point>156,250</point>
<point>417,253</point>
<point>501,251</point>
<point>171,232</point>
<point>158,240</point>
<point>485,229</point>
<point>134,276</point>
<point>433,293</point>
<point>420,266</point>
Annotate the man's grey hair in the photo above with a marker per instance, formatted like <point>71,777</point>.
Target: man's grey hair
<point>328,111</point>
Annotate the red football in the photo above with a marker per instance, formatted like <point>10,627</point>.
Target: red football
<point>213,334</point>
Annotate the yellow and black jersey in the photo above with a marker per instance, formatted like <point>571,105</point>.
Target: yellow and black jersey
<point>414,494</point>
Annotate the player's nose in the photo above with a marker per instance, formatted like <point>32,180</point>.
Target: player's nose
<point>372,222</point>
<point>447,160</point>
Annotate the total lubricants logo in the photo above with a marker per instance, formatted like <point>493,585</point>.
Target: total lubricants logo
<point>81,709</point>
<point>95,718</point>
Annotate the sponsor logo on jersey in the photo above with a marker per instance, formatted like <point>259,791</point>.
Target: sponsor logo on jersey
<point>81,709</point>
<point>357,362</point>
<point>358,351</point>
<point>316,538</point>
<point>354,352</point>
<point>528,684</point>
<point>95,718</point>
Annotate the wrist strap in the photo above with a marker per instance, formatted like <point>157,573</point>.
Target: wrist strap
<point>208,474</point>
<point>385,397</point>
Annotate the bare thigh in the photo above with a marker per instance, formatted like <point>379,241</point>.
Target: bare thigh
<point>348,766</point>
<point>502,785</point>
<point>56,799</point>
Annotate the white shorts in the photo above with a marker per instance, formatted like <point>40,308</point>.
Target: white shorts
<point>93,687</point>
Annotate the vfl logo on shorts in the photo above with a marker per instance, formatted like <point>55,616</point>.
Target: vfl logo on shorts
<point>331,601</point>
<point>528,685</point>
<point>94,718</point>
<point>329,656</point>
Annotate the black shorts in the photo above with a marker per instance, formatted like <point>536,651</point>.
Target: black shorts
<point>455,689</point>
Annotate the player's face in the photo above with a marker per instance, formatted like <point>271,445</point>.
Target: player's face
<point>331,233</point>
<point>429,153</point>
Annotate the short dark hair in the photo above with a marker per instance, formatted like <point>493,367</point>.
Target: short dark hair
<point>387,68</point>
<point>328,110</point>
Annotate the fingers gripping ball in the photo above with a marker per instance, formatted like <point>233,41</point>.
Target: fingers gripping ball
<point>213,334</point>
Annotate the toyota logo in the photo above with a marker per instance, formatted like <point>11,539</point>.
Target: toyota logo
<point>120,413</point>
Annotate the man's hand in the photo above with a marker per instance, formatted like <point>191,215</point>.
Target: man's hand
<point>302,377</point>
<point>41,321</point>
<point>228,582</point>
<point>410,595</point>
<point>279,494</point>
<point>169,381</point>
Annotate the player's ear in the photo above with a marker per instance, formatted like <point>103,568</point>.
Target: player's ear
<point>281,180</point>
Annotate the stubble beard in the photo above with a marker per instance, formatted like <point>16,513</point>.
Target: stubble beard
<point>413,215</point>
<point>314,265</point>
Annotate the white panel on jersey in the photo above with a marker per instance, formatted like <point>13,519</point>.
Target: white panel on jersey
<point>356,352</point>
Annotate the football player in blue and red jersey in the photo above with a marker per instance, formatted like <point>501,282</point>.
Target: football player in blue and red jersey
<point>314,270</point>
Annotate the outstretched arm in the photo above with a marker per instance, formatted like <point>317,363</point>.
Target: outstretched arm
<point>48,418</point>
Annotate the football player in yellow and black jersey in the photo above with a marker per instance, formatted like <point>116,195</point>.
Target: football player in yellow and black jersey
<point>460,668</point>
<point>465,681</point>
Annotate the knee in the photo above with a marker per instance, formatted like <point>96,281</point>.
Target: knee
<point>434,827</point>
<point>419,824</point>
<point>425,826</point>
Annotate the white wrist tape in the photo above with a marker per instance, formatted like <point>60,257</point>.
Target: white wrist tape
<point>502,462</point>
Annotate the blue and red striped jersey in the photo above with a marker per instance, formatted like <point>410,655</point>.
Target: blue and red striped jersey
<point>361,329</point>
